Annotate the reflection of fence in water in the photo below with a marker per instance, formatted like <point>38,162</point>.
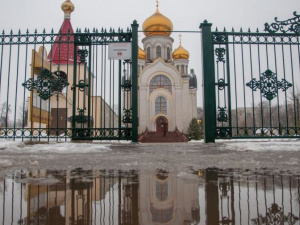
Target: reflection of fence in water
<point>106,197</point>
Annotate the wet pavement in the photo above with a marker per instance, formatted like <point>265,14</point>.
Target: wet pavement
<point>205,196</point>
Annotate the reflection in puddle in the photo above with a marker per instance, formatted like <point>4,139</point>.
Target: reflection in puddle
<point>208,196</point>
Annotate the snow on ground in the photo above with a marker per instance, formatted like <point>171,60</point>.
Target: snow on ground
<point>262,145</point>
<point>60,148</point>
<point>243,154</point>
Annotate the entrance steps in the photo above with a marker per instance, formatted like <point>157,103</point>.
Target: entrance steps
<point>158,137</point>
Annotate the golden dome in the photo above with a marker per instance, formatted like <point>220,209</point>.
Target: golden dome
<point>157,25</point>
<point>180,53</point>
<point>67,6</point>
<point>141,54</point>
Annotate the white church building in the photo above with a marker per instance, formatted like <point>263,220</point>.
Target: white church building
<point>167,92</point>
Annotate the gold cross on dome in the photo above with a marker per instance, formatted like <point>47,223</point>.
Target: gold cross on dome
<point>180,36</point>
<point>157,3</point>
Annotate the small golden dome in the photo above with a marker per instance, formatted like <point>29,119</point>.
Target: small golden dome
<point>157,25</point>
<point>180,52</point>
<point>67,6</point>
<point>141,54</point>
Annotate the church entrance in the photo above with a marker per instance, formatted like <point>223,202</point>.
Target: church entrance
<point>162,125</point>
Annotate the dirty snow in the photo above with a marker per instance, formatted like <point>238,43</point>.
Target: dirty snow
<point>243,154</point>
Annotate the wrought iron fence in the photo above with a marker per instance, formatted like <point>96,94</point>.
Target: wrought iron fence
<point>251,81</point>
<point>63,86</point>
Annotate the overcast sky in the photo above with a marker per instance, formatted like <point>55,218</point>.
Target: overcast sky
<point>185,15</point>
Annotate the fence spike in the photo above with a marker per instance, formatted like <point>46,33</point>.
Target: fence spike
<point>224,29</point>
<point>19,32</point>
<point>35,31</point>
<point>232,29</point>
<point>52,31</point>
<point>257,30</point>
<point>249,30</point>
<point>27,31</point>
<point>216,29</point>
<point>3,32</point>
<point>11,31</point>
<point>241,30</point>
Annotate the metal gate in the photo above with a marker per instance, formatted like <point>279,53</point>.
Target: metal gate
<point>252,81</point>
<point>63,86</point>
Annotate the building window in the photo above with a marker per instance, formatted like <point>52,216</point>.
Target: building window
<point>161,215</point>
<point>182,69</point>
<point>161,191</point>
<point>158,51</point>
<point>160,81</point>
<point>168,53</point>
<point>160,105</point>
<point>148,53</point>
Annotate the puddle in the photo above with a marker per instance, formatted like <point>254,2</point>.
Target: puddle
<point>209,196</point>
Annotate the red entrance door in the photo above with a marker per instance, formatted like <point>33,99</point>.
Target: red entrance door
<point>161,125</point>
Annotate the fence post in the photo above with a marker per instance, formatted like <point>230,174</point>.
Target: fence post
<point>134,94</point>
<point>208,76</point>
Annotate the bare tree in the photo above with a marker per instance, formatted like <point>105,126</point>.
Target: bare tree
<point>4,111</point>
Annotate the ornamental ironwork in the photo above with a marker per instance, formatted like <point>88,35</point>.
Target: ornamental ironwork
<point>127,118</point>
<point>224,188</point>
<point>222,116</point>
<point>45,84</point>
<point>82,55</point>
<point>81,85</point>
<point>268,84</point>
<point>275,214</point>
<point>225,221</point>
<point>223,132</point>
<point>221,84</point>
<point>220,53</point>
<point>219,38</point>
<point>81,118</point>
<point>127,85</point>
<point>290,25</point>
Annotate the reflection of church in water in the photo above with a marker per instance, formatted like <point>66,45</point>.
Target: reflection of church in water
<point>167,92</point>
<point>101,197</point>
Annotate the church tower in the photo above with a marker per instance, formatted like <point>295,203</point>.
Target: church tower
<point>167,92</point>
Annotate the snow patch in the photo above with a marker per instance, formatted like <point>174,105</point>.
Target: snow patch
<point>34,163</point>
<point>261,146</point>
<point>60,148</point>
<point>5,163</point>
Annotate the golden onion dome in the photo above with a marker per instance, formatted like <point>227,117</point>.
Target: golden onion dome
<point>67,6</point>
<point>141,54</point>
<point>180,53</point>
<point>157,25</point>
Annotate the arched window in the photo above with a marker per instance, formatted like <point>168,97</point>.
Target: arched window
<point>160,105</point>
<point>148,53</point>
<point>168,53</point>
<point>160,81</point>
<point>158,51</point>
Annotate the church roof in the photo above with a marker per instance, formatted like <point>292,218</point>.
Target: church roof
<point>62,51</point>
<point>157,25</point>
